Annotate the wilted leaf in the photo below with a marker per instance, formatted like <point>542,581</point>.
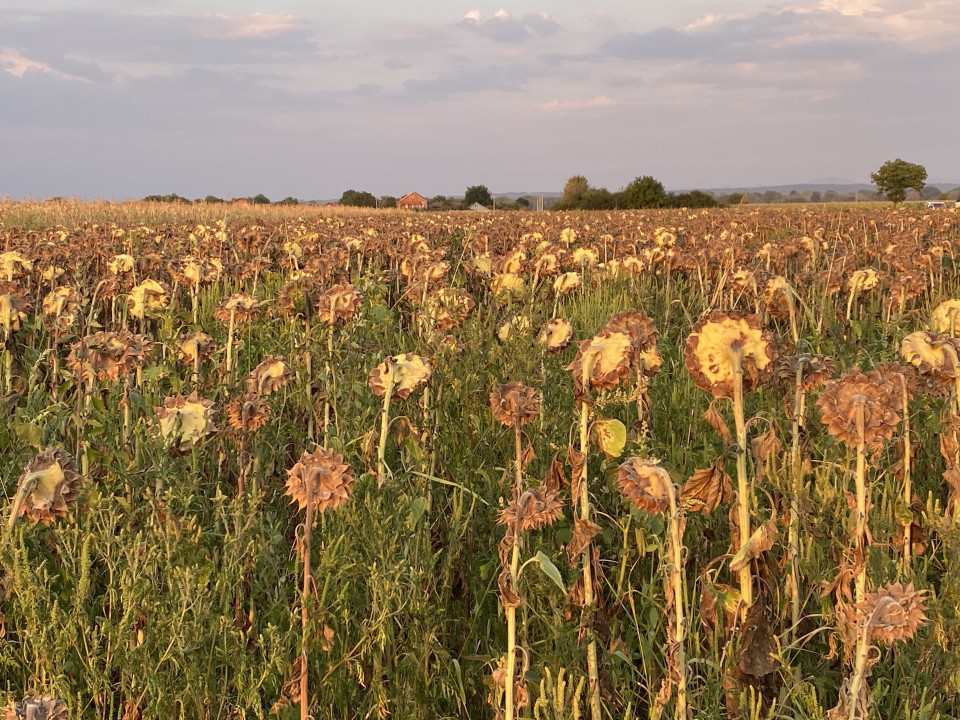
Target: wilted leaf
<point>611,436</point>
<point>583,532</point>
<point>509,597</point>
<point>706,488</point>
<point>758,647</point>
<point>717,422</point>
<point>528,457</point>
<point>765,448</point>
<point>576,460</point>
<point>760,541</point>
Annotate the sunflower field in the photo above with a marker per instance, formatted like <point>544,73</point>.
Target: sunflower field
<point>295,462</point>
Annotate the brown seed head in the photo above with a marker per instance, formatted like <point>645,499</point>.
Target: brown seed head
<point>646,484</point>
<point>339,304</point>
<point>407,372</point>
<point>894,612</point>
<point>515,404</point>
<point>860,406</point>
<point>269,376</point>
<point>321,475</point>
<point>48,487</point>
<point>248,413</point>
<point>607,357</point>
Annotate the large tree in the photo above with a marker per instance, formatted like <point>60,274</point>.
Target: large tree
<point>643,192</point>
<point>574,190</point>
<point>358,198</point>
<point>895,176</point>
<point>477,194</point>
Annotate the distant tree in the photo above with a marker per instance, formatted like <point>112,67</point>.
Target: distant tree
<point>523,203</point>
<point>772,196</point>
<point>171,198</point>
<point>643,192</point>
<point>694,199</point>
<point>596,199</point>
<point>895,176</point>
<point>358,198</point>
<point>212,200</point>
<point>574,190</point>
<point>260,199</point>
<point>477,194</point>
<point>815,196</point>
<point>288,201</point>
<point>388,201</point>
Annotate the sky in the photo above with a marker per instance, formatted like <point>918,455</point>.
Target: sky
<point>117,99</point>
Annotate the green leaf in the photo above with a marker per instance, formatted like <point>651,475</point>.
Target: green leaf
<point>611,436</point>
<point>546,564</point>
<point>30,434</point>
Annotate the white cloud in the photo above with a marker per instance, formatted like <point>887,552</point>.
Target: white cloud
<point>255,25</point>
<point>503,27</point>
<point>558,105</point>
<point>15,63</point>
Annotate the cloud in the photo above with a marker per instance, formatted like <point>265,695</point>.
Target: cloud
<point>503,27</point>
<point>557,105</point>
<point>12,61</point>
<point>255,25</point>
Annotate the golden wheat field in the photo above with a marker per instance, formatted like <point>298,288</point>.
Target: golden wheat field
<point>289,462</point>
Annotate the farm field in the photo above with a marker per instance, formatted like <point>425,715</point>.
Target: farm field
<point>450,465</point>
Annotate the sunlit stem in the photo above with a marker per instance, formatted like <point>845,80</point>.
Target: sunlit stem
<point>676,570</point>
<point>743,482</point>
<point>7,355</point>
<point>233,320</point>
<point>308,363</point>
<point>907,482</point>
<point>588,598</point>
<point>390,381</point>
<point>796,476</point>
<point>860,532</point>
<point>328,374</point>
<point>304,599</point>
<point>514,570</point>
<point>861,658</point>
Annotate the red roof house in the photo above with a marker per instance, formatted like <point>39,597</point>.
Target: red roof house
<point>412,201</point>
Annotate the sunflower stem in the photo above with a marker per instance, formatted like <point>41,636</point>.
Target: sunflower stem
<point>304,613</point>
<point>514,571</point>
<point>233,320</point>
<point>860,532</point>
<point>679,585</point>
<point>796,473</point>
<point>385,422</point>
<point>907,484</point>
<point>743,483</point>
<point>588,598</point>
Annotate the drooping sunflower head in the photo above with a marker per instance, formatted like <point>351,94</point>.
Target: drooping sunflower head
<point>269,376</point>
<point>566,283</point>
<point>606,359</point>
<point>646,484</point>
<point>12,264</point>
<point>14,305</point>
<point>147,299</point>
<point>338,305</point>
<point>814,369</point>
<point>535,508</point>
<point>195,347</point>
<point>59,309</point>
<point>515,404</point>
<point>722,344</point>
<point>321,476</point>
<point>248,414</point>
<point>894,612</point>
<point>185,421</point>
<point>48,487</point>
<point>861,407</point>
<point>244,308</point>
<point>35,707</point>
<point>643,334</point>
<point>555,334</point>
<point>934,355</point>
<point>406,374</point>
<point>945,316</point>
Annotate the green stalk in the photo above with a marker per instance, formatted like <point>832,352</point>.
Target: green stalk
<point>676,570</point>
<point>304,614</point>
<point>589,600</point>
<point>860,533</point>
<point>385,421</point>
<point>907,484</point>
<point>796,473</point>
<point>514,570</point>
<point>743,482</point>
<point>233,318</point>
<point>328,374</point>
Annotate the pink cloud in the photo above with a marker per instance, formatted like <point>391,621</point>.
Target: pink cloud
<point>557,105</point>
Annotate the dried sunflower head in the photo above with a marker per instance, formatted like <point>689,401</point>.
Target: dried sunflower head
<point>14,305</point>
<point>108,355</point>
<point>49,485</point>
<point>59,309</point>
<point>248,413</point>
<point>607,359</point>
<point>814,369</point>
<point>322,476</point>
<point>13,264</point>
<point>934,355</point>
<point>121,264</point>
<point>37,708</point>
<point>555,334</point>
<point>722,343</point>
<point>147,299</point>
<point>566,283</point>
<point>507,286</point>
<point>195,347</point>
<point>339,304</point>
<point>535,509</point>
<point>243,307</point>
<point>517,325</point>
<point>269,376</point>
<point>296,297</point>
<point>185,421</point>
<point>643,334</point>
<point>894,612</point>
<point>515,404</point>
<point>407,373</point>
<point>860,406</point>
<point>944,316</point>
<point>646,484</point>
